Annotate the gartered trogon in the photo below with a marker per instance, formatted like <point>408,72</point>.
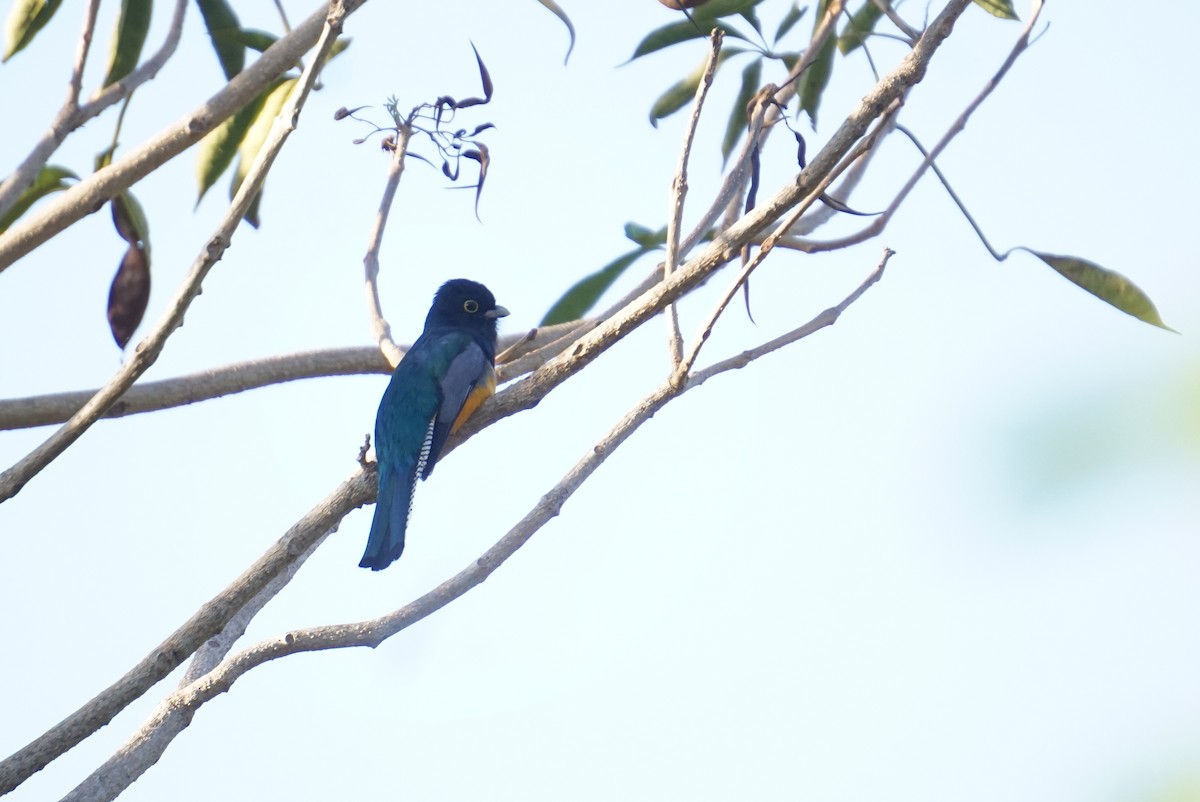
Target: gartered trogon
<point>440,381</point>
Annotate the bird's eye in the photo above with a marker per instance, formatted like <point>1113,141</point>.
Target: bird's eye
<point>471,306</point>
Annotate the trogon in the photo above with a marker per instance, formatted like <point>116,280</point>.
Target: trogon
<point>442,379</point>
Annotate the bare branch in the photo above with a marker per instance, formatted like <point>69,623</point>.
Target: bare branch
<point>75,85</point>
<point>208,621</point>
<point>147,744</point>
<point>91,193</point>
<point>146,353</point>
<point>381,332</point>
<point>43,410</point>
<point>73,116</point>
<point>679,188</point>
<point>826,318</point>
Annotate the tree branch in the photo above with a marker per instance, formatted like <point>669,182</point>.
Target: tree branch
<point>380,330</point>
<point>679,188</point>
<point>147,351</point>
<point>207,622</point>
<point>91,193</point>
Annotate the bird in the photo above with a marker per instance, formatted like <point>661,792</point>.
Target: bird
<point>441,380</point>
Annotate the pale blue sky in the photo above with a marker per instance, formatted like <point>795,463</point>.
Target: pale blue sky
<point>945,550</point>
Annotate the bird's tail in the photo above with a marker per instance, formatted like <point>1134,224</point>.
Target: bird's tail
<point>386,541</point>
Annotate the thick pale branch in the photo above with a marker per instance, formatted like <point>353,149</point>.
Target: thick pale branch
<point>42,410</point>
<point>147,351</point>
<point>524,353</point>
<point>92,192</point>
<point>208,621</point>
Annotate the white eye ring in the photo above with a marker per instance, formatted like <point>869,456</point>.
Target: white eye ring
<point>471,306</point>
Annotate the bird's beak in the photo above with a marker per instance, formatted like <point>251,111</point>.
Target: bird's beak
<point>498,311</point>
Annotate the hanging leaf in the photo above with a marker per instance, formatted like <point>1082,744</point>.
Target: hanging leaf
<point>789,21</point>
<point>998,8</point>
<point>50,179</point>
<point>584,294</point>
<point>25,19</point>
<point>861,24</point>
<point>814,79</point>
<point>215,152</point>
<point>133,23</point>
<point>255,138</point>
<point>562,15</point>
<point>682,92</point>
<point>738,117</point>
<point>129,294</point>
<point>224,30</point>
<point>1107,285</point>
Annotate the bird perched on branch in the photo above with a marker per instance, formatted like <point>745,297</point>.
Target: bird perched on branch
<point>441,380</point>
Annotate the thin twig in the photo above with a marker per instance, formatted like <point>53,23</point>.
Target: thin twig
<point>381,332</point>
<point>826,318</point>
<point>147,351</point>
<point>72,116</point>
<point>75,85</point>
<point>679,188</point>
<point>886,7</point>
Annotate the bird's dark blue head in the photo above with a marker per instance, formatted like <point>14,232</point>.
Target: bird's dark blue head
<point>466,305</point>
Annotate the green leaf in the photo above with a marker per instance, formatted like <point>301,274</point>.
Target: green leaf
<point>678,32</point>
<point>50,179</point>
<point>562,15</point>
<point>645,237</point>
<point>576,301</point>
<point>25,19</point>
<point>216,151</point>
<point>998,8</point>
<point>682,92</point>
<point>816,77</point>
<point>133,23</point>
<point>751,79</point>
<point>859,27</point>
<point>224,29</point>
<point>256,137</point>
<point>129,218</point>
<point>789,21</point>
<point>1107,285</point>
